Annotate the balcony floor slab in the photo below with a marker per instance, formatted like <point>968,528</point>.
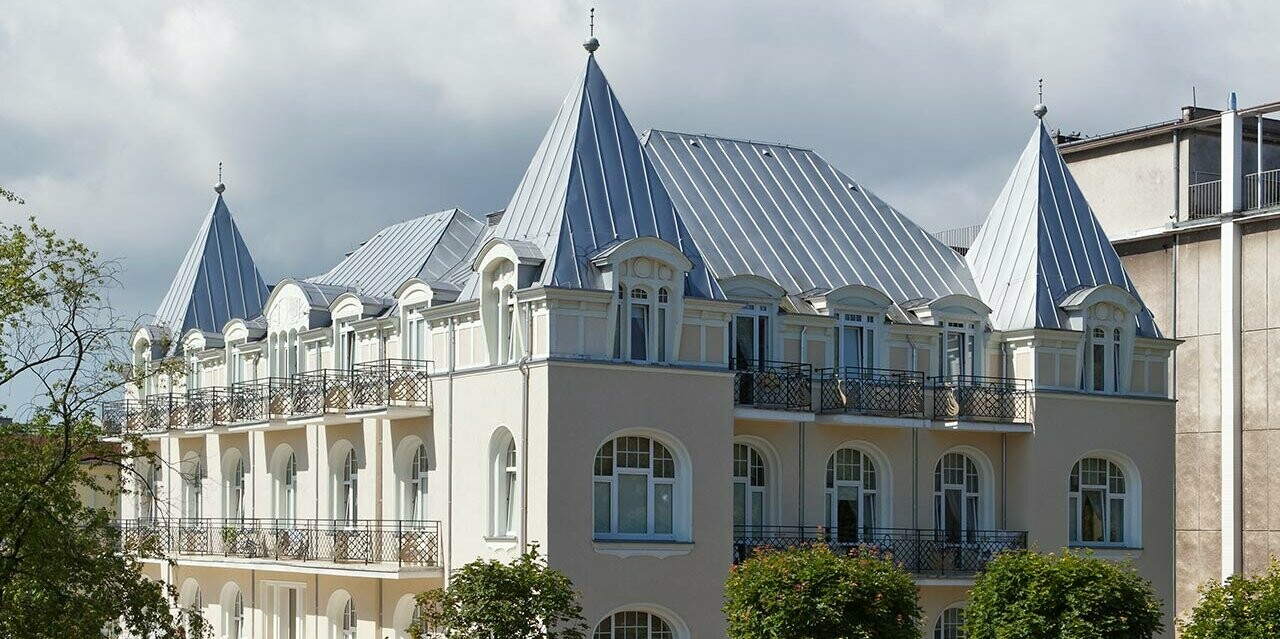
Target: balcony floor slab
<point>877,421</point>
<point>980,427</point>
<point>750,414</point>
<point>375,571</point>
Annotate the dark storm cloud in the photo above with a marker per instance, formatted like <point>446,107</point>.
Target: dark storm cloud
<point>336,118</point>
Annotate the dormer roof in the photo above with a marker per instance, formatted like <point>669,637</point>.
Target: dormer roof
<point>217,280</point>
<point>1041,242</point>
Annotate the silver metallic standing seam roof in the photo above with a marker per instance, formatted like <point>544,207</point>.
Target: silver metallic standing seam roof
<point>427,247</point>
<point>785,214</point>
<point>1042,242</point>
<point>216,281</point>
<point>589,186</point>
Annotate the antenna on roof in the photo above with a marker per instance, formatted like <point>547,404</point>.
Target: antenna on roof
<point>219,187</point>
<point>592,43</point>
<point>1040,109</point>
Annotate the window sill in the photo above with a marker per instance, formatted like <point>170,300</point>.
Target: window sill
<point>1108,552</point>
<point>501,542</point>
<point>642,548</point>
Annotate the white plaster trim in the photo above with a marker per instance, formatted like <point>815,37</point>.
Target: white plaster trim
<point>846,419</point>
<point>982,427</point>
<point>656,549</point>
<point>749,414</point>
<point>392,571</point>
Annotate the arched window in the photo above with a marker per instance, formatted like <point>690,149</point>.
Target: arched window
<point>234,488</point>
<point>347,489</point>
<point>853,494</point>
<point>633,624</point>
<point>639,324</point>
<point>950,624</point>
<point>750,487</point>
<point>634,489</point>
<point>1104,360</point>
<point>286,493</point>
<point>415,489</point>
<point>190,604</point>
<point>232,612</point>
<point>957,495</point>
<point>505,494</point>
<point>152,491</point>
<point>192,476</point>
<point>1098,498</point>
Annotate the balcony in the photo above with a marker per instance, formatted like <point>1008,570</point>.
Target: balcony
<point>392,382</point>
<point>772,385</point>
<point>164,412</point>
<point>321,391</point>
<point>922,552</point>
<point>975,398</point>
<point>261,400</point>
<point>123,416</point>
<point>871,391</point>
<point>404,543</point>
<point>209,407</point>
<point>1258,191</point>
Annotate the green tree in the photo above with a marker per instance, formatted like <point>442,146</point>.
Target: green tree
<point>1028,595</point>
<point>62,573</point>
<point>811,592</point>
<point>1239,608</point>
<point>491,600</point>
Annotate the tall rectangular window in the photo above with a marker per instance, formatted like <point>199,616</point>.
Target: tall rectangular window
<point>639,331</point>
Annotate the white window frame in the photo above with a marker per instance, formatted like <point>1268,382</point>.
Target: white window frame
<point>750,488</point>
<point>286,493</point>
<point>656,480</point>
<point>416,336</point>
<point>950,623</point>
<point>192,478</point>
<point>863,325</point>
<point>416,484</point>
<point>1109,338</point>
<point>970,333</point>
<point>655,626</point>
<point>504,494</point>
<point>972,500</point>
<point>868,484</point>
<point>762,318</point>
<point>234,489</point>
<point>1124,497</point>
<point>346,506</point>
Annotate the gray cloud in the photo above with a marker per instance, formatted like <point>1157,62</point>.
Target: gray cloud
<point>336,118</point>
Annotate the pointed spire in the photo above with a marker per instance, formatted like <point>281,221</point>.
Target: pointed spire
<point>589,186</point>
<point>1041,242</point>
<point>1040,110</point>
<point>592,43</point>
<point>217,280</point>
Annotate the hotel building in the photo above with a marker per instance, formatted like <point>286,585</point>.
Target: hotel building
<point>667,351</point>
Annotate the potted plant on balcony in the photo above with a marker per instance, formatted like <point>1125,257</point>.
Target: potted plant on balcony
<point>417,547</point>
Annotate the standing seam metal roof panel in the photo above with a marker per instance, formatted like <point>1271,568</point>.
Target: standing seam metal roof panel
<point>589,186</point>
<point>784,213</point>
<point>1041,242</point>
<point>217,280</point>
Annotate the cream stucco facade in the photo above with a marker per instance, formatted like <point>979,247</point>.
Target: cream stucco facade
<point>643,411</point>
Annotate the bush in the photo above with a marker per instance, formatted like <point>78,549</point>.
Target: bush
<point>812,593</point>
<point>1027,595</point>
<point>1238,608</point>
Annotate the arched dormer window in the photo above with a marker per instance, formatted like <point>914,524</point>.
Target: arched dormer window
<point>647,273</point>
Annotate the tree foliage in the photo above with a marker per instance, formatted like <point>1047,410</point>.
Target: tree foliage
<point>491,600</point>
<point>811,592</point>
<point>1239,608</point>
<point>1028,595</point>
<point>61,571</point>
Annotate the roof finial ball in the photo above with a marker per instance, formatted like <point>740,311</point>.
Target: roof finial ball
<point>1040,110</point>
<point>219,187</point>
<point>592,43</point>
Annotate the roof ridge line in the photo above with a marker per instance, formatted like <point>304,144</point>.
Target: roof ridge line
<point>728,138</point>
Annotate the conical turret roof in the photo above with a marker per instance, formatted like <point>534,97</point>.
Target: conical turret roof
<point>1042,242</point>
<point>590,186</point>
<point>217,280</point>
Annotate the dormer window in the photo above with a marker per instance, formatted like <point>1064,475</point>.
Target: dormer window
<point>751,336</point>
<point>855,338</point>
<point>416,337</point>
<point>640,333</point>
<point>1104,359</point>
<point>959,348</point>
<point>507,336</point>
<point>639,324</point>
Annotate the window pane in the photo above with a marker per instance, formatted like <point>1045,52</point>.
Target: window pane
<point>1117,521</point>
<point>662,509</point>
<point>757,508</point>
<point>744,330</point>
<point>602,506</point>
<point>1091,514</point>
<point>662,334</point>
<point>739,503</point>
<point>847,514</point>
<point>1099,367</point>
<point>1073,519</point>
<point>639,331</point>
<point>633,504</point>
<point>851,346</point>
<point>868,510</point>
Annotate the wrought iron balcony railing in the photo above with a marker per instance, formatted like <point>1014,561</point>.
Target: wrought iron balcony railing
<point>261,400</point>
<point>1000,399</point>
<point>322,391</point>
<point>208,407</point>
<point>768,384</point>
<point>163,412</point>
<point>123,416</point>
<point>871,391</point>
<point>405,543</point>
<point>392,382</point>
<point>922,552</point>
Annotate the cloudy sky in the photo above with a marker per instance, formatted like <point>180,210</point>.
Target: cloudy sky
<point>334,119</point>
